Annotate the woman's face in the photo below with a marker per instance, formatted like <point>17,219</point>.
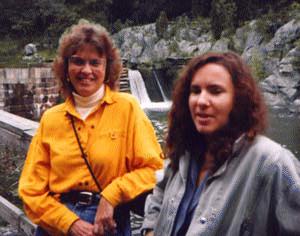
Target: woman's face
<point>86,70</point>
<point>211,98</point>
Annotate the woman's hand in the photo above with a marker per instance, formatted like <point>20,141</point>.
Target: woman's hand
<point>81,228</point>
<point>104,218</point>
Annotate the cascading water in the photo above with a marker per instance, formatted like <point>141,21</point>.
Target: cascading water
<point>160,87</point>
<point>138,89</point>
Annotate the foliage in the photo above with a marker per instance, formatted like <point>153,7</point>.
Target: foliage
<point>174,47</point>
<point>200,8</point>
<point>44,21</point>
<point>161,25</point>
<point>223,16</point>
<point>270,22</point>
<point>256,65</point>
<point>11,162</point>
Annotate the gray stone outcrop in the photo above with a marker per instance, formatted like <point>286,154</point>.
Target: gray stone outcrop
<point>277,57</point>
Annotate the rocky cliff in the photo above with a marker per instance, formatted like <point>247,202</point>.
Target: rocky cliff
<point>275,60</point>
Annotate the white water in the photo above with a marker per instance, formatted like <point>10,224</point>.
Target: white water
<point>160,87</point>
<point>138,89</point>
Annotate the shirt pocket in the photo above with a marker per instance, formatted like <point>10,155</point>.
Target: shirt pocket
<point>110,144</point>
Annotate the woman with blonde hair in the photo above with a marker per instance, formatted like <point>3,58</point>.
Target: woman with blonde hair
<point>92,153</point>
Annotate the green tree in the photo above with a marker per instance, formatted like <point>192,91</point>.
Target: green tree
<point>200,7</point>
<point>223,16</point>
<point>161,25</point>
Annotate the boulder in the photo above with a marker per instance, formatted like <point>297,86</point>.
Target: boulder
<point>254,38</point>
<point>290,64</point>
<point>30,49</point>
<point>187,47</point>
<point>203,48</point>
<point>239,38</point>
<point>161,49</point>
<point>284,38</point>
<point>221,45</point>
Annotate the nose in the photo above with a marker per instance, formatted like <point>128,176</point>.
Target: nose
<point>203,99</point>
<point>86,69</point>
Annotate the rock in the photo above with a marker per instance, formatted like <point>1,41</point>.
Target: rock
<point>279,90</point>
<point>186,34</point>
<point>274,100</point>
<point>253,46</point>
<point>161,49</point>
<point>221,45</point>
<point>283,39</point>
<point>271,65</point>
<point>30,49</point>
<point>253,53</point>
<point>239,38</point>
<point>203,48</point>
<point>290,64</point>
<point>254,38</point>
<point>187,47</point>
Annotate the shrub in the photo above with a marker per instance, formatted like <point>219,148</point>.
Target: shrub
<point>256,64</point>
<point>223,16</point>
<point>161,24</point>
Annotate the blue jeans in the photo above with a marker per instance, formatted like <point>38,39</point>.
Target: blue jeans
<point>87,213</point>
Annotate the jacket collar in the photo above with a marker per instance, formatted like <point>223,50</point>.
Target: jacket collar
<point>184,163</point>
<point>236,149</point>
<point>186,158</point>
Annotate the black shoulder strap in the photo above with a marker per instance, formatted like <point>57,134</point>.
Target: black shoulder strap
<point>83,154</point>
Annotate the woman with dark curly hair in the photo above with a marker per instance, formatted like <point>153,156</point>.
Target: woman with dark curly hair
<point>224,176</point>
<point>95,151</point>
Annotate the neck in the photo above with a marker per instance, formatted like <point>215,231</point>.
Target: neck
<point>84,105</point>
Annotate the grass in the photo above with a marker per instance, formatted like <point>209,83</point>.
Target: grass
<point>12,52</point>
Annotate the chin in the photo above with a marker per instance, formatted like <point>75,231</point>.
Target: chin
<point>205,130</point>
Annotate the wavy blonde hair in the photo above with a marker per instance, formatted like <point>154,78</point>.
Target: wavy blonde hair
<point>73,39</point>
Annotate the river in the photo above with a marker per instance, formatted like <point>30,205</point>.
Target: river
<point>284,128</point>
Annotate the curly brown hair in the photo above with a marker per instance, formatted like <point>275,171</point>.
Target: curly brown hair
<point>78,35</point>
<point>248,114</point>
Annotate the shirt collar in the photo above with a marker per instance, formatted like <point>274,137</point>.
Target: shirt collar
<point>107,99</point>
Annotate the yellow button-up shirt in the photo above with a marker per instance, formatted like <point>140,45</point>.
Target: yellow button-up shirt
<point>121,147</point>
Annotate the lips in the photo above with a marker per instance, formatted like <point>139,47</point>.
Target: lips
<point>83,78</point>
<point>204,118</point>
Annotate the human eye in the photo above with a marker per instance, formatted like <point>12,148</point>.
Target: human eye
<point>195,90</point>
<point>95,62</point>
<point>215,89</point>
<point>78,61</point>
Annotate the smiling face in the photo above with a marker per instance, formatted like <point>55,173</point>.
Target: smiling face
<point>86,70</point>
<point>211,98</point>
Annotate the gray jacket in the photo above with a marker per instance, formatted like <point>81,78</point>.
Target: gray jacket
<point>257,192</point>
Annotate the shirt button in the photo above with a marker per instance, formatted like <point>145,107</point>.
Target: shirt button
<point>86,183</point>
<point>113,136</point>
<point>79,128</point>
<point>203,220</point>
<point>92,126</point>
<point>80,184</point>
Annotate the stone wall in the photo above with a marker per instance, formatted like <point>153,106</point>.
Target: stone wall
<point>28,92</point>
<point>16,131</point>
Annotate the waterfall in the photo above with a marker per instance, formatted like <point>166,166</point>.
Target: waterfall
<point>138,89</point>
<point>160,87</point>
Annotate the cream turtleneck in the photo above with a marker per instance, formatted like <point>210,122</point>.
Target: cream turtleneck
<point>84,105</point>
